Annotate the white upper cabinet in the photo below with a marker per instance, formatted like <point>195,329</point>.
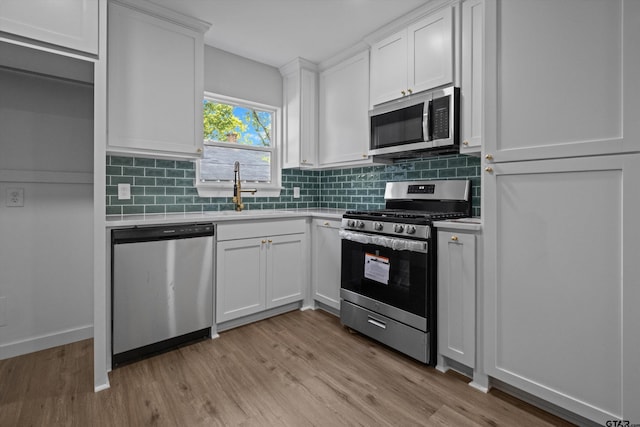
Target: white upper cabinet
<point>418,58</point>
<point>430,51</point>
<point>155,75</point>
<point>343,113</point>
<point>472,62</point>
<point>300,114</point>
<point>568,79</point>
<point>389,68</point>
<point>45,24</point>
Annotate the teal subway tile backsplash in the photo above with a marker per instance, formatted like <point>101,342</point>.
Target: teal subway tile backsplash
<point>163,186</point>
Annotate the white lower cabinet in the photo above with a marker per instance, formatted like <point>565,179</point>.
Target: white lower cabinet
<point>456,296</point>
<point>325,266</point>
<point>561,282</point>
<point>260,265</point>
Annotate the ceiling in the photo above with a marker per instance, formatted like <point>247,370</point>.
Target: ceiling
<point>276,31</point>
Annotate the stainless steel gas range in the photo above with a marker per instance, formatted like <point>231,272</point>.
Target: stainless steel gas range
<point>388,277</point>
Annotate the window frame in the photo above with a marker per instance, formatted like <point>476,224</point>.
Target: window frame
<point>225,188</point>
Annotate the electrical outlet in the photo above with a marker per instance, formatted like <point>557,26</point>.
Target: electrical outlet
<point>15,197</point>
<point>124,191</point>
<point>296,192</point>
<point>3,311</point>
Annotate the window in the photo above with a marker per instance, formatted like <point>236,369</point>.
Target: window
<point>238,131</point>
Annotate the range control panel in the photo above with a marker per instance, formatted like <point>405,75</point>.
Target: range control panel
<point>421,189</point>
<point>410,231</point>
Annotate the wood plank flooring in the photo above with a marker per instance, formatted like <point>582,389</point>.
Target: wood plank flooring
<point>297,369</point>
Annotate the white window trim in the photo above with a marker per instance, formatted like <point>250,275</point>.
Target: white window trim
<point>225,189</point>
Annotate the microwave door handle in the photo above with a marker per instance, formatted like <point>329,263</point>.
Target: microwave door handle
<point>426,117</point>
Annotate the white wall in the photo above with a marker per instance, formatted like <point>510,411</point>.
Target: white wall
<point>239,77</point>
<point>46,255</point>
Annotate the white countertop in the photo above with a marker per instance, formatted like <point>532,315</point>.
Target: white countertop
<point>469,224</point>
<point>114,221</point>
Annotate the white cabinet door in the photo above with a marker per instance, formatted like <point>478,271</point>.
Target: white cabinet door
<point>389,68</point>
<point>258,271</point>
<point>155,85</point>
<point>71,24</point>
<point>343,115</point>
<point>300,114</point>
<point>240,278</point>
<point>457,296</point>
<point>326,262</point>
<point>430,51</point>
<point>472,60</point>
<point>286,266</point>
<point>418,58</point>
<point>559,88</point>
<point>561,281</point>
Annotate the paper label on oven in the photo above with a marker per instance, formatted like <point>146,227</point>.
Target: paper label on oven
<point>376,268</point>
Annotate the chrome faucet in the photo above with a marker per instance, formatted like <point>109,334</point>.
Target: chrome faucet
<point>237,188</point>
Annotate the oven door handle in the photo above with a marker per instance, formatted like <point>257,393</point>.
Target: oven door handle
<point>385,241</point>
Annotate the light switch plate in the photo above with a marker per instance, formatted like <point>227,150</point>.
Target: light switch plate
<point>124,191</point>
<point>15,197</point>
<point>296,192</point>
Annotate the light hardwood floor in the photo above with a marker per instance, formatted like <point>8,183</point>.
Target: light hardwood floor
<point>297,369</point>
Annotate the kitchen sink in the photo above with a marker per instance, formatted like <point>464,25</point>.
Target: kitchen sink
<point>250,212</point>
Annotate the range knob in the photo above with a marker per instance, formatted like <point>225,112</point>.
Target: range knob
<point>359,224</point>
<point>411,229</point>
<point>398,228</point>
<point>378,226</point>
<point>350,223</point>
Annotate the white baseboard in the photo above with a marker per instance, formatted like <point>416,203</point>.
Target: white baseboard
<point>101,387</point>
<point>42,342</point>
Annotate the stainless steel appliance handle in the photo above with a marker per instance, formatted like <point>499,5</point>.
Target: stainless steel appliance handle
<point>394,243</point>
<point>425,121</point>
<point>376,322</point>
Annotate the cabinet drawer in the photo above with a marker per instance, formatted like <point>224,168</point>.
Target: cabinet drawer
<point>404,338</point>
<point>245,230</point>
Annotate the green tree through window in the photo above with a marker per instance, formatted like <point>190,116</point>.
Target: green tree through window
<point>237,132</point>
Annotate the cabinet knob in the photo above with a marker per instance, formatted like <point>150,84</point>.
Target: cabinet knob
<point>304,161</point>
<point>489,156</point>
<point>326,224</point>
<point>403,92</point>
<point>364,156</point>
<point>270,241</point>
<point>454,238</point>
<point>465,142</point>
<point>488,169</point>
<point>199,150</point>
<point>410,91</point>
<point>264,241</point>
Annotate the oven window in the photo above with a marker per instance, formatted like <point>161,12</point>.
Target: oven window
<point>407,276</point>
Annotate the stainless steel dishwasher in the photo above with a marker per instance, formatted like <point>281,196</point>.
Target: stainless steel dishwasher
<point>161,288</point>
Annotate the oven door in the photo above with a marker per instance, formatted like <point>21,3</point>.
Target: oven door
<point>387,275</point>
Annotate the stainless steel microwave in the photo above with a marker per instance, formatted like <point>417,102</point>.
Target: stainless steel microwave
<point>423,123</point>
